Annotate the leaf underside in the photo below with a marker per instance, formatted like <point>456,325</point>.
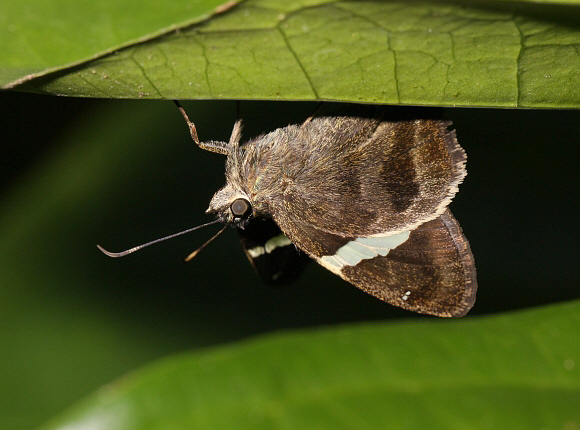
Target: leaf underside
<point>497,54</point>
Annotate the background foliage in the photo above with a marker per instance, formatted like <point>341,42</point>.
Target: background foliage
<point>483,53</point>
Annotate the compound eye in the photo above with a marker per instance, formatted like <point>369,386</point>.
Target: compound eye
<point>240,207</point>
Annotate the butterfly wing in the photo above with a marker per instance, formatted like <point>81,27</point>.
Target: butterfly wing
<point>274,258</point>
<point>429,269</point>
<point>367,199</point>
<point>357,176</point>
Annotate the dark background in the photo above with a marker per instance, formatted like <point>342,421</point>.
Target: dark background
<point>77,172</point>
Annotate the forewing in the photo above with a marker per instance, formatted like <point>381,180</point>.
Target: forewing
<point>429,269</point>
<point>274,258</point>
<point>359,176</point>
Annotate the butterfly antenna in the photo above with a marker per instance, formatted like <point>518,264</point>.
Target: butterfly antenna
<point>194,253</point>
<point>137,248</point>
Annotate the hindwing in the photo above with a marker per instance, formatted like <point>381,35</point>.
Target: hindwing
<point>429,269</point>
<point>274,258</point>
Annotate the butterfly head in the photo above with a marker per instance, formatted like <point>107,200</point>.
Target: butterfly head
<point>232,206</point>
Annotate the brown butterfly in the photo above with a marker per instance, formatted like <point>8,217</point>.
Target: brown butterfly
<point>365,197</point>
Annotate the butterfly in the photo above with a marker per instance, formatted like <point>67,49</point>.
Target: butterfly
<point>365,197</point>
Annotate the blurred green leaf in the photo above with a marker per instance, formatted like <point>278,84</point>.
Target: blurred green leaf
<point>414,375</point>
<point>487,53</point>
<point>43,35</point>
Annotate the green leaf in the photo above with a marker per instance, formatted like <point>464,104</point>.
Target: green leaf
<point>411,375</point>
<point>490,53</point>
<point>39,36</point>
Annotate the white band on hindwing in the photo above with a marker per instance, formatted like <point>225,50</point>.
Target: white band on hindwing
<point>273,243</point>
<point>362,248</point>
